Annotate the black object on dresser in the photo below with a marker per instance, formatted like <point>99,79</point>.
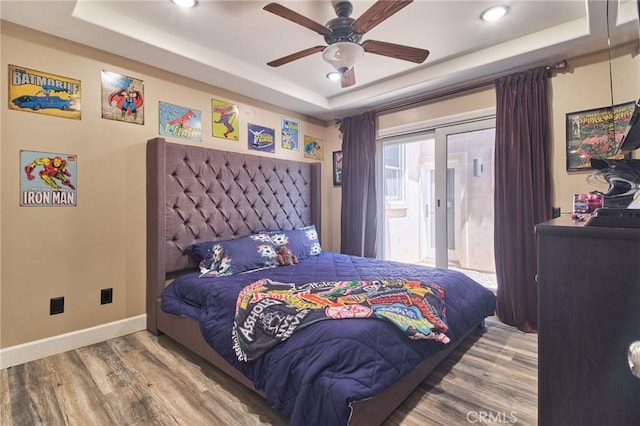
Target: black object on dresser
<point>588,315</point>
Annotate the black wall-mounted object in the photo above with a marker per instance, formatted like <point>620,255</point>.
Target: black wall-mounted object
<point>106,296</point>
<point>56,305</point>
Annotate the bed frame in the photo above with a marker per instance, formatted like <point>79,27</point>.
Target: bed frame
<point>199,194</point>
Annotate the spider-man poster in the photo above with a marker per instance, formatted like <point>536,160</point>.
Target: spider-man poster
<point>224,117</point>
<point>122,98</point>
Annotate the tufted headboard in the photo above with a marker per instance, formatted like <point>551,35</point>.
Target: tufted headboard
<point>199,194</point>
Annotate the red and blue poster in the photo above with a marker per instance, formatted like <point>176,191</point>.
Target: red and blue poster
<point>122,98</point>
<point>224,118</point>
<point>48,179</point>
<point>180,122</point>
<point>262,138</point>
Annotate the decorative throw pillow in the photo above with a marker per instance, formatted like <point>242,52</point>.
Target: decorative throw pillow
<point>312,241</point>
<point>303,242</point>
<point>199,251</point>
<point>244,254</point>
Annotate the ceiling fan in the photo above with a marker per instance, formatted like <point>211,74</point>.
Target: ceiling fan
<point>343,34</point>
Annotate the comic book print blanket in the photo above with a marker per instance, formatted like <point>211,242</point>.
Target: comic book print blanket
<point>269,312</point>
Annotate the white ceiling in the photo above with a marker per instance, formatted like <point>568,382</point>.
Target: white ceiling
<point>228,43</point>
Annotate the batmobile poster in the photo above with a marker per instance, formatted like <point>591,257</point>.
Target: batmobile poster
<point>180,122</point>
<point>261,138</point>
<point>44,93</point>
<point>47,179</point>
<point>122,98</point>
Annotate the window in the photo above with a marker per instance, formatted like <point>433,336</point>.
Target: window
<point>393,172</point>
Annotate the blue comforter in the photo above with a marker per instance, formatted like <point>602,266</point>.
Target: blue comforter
<point>314,375</point>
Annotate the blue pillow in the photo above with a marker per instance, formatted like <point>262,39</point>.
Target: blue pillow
<point>198,251</point>
<point>303,242</point>
<point>248,253</point>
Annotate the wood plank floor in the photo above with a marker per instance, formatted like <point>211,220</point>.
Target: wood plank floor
<point>141,379</point>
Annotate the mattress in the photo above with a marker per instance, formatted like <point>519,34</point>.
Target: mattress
<point>316,374</point>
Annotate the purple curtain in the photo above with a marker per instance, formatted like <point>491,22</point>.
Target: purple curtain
<point>358,218</point>
<point>522,193</point>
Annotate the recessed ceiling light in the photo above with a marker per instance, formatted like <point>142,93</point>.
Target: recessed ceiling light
<point>494,13</point>
<point>334,76</point>
<point>185,3</point>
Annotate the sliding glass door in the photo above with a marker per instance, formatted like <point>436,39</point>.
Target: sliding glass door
<point>438,196</point>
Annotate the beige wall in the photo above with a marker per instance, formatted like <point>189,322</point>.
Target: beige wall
<point>333,206</point>
<point>76,251</point>
<point>586,86</point>
<point>464,103</point>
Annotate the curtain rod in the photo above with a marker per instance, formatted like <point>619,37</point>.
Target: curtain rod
<point>551,69</point>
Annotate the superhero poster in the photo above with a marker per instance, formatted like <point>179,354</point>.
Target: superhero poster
<point>261,138</point>
<point>289,134</point>
<point>313,147</point>
<point>180,122</point>
<point>596,133</point>
<point>224,119</point>
<point>122,98</point>
<point>48,179</point>
<point>44,93</point>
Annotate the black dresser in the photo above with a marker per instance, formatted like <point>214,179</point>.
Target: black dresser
<point>588,315</point>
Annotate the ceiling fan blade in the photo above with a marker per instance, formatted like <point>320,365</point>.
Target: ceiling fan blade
<point>293,16</point>
<point>348,78</point>
<point>397,51</point>
<point>294,56</point>
<point>381,10</point>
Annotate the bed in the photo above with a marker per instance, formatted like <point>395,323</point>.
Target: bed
<point>352,371</point>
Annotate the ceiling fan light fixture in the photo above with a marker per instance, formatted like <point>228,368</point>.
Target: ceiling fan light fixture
<point>185,3</point>
<point>494,13</point>
<point>334,76</point>
<point>343,55</point>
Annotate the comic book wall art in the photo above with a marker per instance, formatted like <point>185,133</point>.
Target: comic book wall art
<point>224,118</point>
<point>596,133</point>
<point>289,134</point>
<point>261,138</point>
<point>44,93</point>
<point>122,98</point>
<point>313,147</point>
<point>180,122</point>
<point>48,179</point>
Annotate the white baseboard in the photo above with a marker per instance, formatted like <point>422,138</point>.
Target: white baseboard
<point>19,354</point>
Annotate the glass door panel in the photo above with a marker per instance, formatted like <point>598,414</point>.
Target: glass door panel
<point>438,197</point>
<point>469,187</point>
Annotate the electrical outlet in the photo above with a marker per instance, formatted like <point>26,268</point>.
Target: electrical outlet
<point>106,296</point>
<point>56,306</point>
